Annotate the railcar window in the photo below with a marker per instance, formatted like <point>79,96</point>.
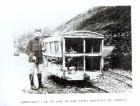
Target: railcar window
<point>93,63</point>
<point>74,45</point>
<point>46,46</point>
<point>56,46</point>
<point>93,45</point>
<point>76,62</point>
<point>51,48</point>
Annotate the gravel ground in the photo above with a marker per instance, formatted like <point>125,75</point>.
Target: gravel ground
<point>103,84</point>
<point>59,86</point>
<point>115,83</point>
<point>111,85</point>
<point>123,72</point>
<point>121,77</point>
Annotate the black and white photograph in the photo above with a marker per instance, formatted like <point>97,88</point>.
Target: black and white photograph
<point>90,53</point>
<point>67,48</point>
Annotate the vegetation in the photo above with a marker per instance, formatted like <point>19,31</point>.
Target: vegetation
<point>113,22</point>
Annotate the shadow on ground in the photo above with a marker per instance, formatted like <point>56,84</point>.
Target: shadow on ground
<point>61,82</point>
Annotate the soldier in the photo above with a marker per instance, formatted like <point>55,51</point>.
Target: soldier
<point>34,50</point>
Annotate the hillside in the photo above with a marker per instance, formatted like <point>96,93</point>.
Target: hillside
<point>114,22</point>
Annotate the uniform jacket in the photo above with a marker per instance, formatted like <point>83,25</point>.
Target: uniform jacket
<point>35,48</point>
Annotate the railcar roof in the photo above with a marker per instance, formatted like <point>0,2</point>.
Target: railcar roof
<point>75,34</point>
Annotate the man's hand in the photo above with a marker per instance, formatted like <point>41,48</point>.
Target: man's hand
<point>43,49</point>
<point>32,58</point>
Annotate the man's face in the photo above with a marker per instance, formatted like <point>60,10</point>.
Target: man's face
<point>37,34</point>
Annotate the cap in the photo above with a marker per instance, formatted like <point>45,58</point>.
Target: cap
<point>38,30</point>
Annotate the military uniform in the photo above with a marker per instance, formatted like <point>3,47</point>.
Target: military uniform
<point>34,50</point>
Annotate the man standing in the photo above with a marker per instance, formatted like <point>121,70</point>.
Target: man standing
<point>34,50</point>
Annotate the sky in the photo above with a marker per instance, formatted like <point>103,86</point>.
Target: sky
<point>22,16</point>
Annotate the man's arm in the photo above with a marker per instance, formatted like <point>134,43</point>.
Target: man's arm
<point>43,46</point>
<point>28,48</point>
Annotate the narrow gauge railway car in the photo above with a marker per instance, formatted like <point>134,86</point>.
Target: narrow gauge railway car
<point>75,55</point>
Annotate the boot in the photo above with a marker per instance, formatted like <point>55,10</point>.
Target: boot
<point>32,82</point>
<point>39,76</point>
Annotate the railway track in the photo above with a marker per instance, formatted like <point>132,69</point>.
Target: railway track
<point>104,84</point>
<point>121,78</point>
<point>121,75</point>
<point>76,86</point>
<point>63,86</point>
<point>101,90</point>
<point>59,86</point>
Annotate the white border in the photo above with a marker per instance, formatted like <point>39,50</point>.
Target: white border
<point>8,19</point>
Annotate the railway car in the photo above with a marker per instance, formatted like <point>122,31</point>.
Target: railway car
<point>76,55</point>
